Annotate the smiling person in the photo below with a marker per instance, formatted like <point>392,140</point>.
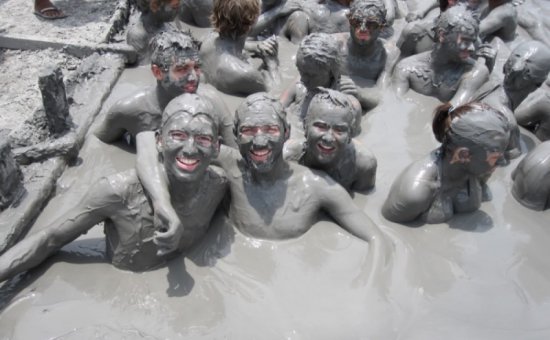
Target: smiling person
<point>272,198</point>
<point>186,144</point>
<point>449,72</point>
<point>176,66</point>
<point>450,179</point>
<point>329,146</point>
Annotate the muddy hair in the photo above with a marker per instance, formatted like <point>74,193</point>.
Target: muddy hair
<point>257,103</point>
<point>234,17</point>
<point>336,98</point>
<point>144,5</point>
<point>372,10</point>
<point>457,19</point>
<point>322,49</point>
<point>445,114</point>
<point>169,43</point>
<point>200,106</point>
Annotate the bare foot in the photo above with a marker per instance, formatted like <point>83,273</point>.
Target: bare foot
<point>46,10</point>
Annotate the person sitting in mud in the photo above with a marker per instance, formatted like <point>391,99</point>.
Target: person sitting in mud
<point>154,14</point>
<point>225,65</point>
<point>272,198</point>
<point>449,72</point>
<point>176,65</point>
<point>450,180</point>
<point>318,62</point>
<point>329,146</point>
<point>419,36</point>
<point>186,144</point>
<point>525,70</point>
<point>532,178</point>
<point>534,112</point>
<point>196,12</point>
<point>499,19</point>
<point>364,54</point>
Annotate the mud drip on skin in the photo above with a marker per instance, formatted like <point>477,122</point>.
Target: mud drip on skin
<point>482,276</point>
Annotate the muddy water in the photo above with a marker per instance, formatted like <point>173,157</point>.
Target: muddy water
<point>484,275</point>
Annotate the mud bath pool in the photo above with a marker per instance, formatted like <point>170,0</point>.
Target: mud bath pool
<point>481,276</point>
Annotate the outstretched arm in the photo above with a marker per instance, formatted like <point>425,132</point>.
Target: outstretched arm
<point>533,108</point>
<point>470,83</point>
<point>33,250</point>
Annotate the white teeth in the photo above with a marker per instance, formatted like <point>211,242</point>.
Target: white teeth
<point>327,148</point>
<point>262,152</point>
<point>187,161</point>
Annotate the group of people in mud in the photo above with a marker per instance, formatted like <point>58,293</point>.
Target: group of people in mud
<point>280,161</point>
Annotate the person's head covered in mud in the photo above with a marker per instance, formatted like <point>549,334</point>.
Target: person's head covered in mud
<point>318,61</point>
<point>234,18</point>
<point>366,20</point>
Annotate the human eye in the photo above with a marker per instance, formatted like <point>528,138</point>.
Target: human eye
<point>321,126</point>
<point>247,130</point>
<point>273,130</point>
<point>204,140</point>
<point>179,135</point>
<point>340,129</point>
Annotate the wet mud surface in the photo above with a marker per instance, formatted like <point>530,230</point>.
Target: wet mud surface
<point>483,275</point>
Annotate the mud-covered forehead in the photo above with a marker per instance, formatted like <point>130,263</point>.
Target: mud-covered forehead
<point>260,104</point>
<point>191,104</point>
<point>459,20</point>
<point>327,100</point>
<point>169,47</point>
<point>368,10</point>
<point>483,127</point>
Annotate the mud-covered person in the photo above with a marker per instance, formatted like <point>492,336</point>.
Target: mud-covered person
<point>196,12</point>
<point>364,53</point>
<point>451,179</point>
<point>225,64</point>
<point>450,71</point>
<point>319,65</point>
<point>329,127</point>
<point>186,144</point>
<point>532,178</point>
<point>176,66</point>
<point>153,17</point>
<point>272,198</point>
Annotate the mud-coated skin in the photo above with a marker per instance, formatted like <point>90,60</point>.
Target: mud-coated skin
<point>270,197</point>
<point>532,178</point>
<point>449,72</point>
<point>196,12</point>
<point>499,21</point>
<point>534,112</point>
<point>143,112</point>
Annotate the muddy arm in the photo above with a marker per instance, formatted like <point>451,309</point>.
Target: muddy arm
<point>33,250</point>
<point>268,18</point>
<point>289,95</point>
<point>110,129</point>
<point>470,83</point>
<point>533,108</point>
<point>400,80</point>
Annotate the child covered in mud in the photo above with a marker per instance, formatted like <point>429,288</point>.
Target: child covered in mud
<point>176,66</point>
<point>329,146</point>
<point>225,64</point>
<point>186,144</point>
<point>450,180</point>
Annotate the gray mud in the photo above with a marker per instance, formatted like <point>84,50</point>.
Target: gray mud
<point>484,275</point>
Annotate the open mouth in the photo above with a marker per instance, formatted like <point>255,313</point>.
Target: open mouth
<point>362,35</point>
<point>464,55</point>
<point>190,87</point>
<point>260,155</point>
<point>325,149</point>
<point>187,164</point>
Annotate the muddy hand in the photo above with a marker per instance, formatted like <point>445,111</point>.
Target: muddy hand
<point>347,85</point>
<point>169,230</point>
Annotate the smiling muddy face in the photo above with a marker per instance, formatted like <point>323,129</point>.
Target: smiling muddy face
<point>261,130</point>
<point>189,138</point>
<point>329,123</point>
<point>457,30</point>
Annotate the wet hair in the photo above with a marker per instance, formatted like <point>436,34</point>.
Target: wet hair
<point>470,121</point>
<point>337,99</point>
<point>193,105</point>
<point>457,19</point>
<point>321,49</point>
<point>144,6</point>
<point>372,10</point>
<point>258,103</point>
<point>234,17</point>
<point>167,45</point>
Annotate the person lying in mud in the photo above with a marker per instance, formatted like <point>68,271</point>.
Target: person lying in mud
<point>318,63</point>
<point>450,180</point>
<point>525,70</point>
<point>186,144</point>
<point>225,64</point>
<point>153,17</point>
<point>532,178</point>
<point>534,112</point>
<point>271,198</point>
<point>176,66</point>
<point>449,72</point>
<point>196,12</point>
<point>329,126</point>
<point>364,54</point>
